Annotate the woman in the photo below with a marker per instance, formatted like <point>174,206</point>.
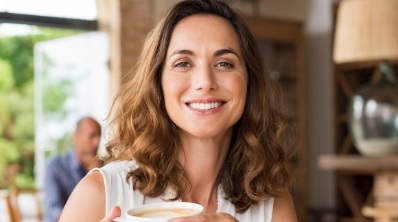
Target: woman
<point>194,123</point>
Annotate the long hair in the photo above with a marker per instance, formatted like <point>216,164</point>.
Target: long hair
<point>257,166</point>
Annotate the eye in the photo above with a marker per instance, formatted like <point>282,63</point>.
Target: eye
<point>225,65</point>
<point>182,65</point>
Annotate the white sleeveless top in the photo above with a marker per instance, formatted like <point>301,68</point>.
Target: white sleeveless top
<point>119,192</point>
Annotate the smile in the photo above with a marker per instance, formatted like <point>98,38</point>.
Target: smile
<point>205,106</point>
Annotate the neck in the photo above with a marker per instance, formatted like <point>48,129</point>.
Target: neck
<point>203,159</point>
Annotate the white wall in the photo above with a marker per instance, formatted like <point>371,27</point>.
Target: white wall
<point>320,101</point>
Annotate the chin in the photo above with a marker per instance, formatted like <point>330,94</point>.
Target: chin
<point>206,134</point>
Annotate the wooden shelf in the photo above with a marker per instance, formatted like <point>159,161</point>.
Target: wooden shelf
<point>360,180</point>
<point>358,163</point>
<point>383,194</point>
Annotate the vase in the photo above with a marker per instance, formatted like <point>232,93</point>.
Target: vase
<point>373,115</point>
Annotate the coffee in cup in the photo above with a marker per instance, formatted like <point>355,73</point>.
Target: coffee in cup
<point>161,212</point>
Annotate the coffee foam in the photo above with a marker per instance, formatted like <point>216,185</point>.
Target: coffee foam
<point>165,213</point>
<point>161,212</point>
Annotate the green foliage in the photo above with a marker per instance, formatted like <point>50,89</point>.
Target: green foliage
<point>17,105</point>
<point>18,50</point>
<point>14,48</point>
<point>53,98</point>
<point>6,78</point>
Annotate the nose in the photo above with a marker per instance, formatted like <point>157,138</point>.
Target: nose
<point>205,79</point>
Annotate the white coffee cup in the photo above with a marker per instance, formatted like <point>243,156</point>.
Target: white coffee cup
<point>161,212</point>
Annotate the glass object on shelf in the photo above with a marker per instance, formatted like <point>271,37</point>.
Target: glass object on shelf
<point>374,115</point>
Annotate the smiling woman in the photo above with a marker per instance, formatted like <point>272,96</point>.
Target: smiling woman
<point>195,122</point>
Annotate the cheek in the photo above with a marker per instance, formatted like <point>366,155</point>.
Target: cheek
<point>173,86</point>
<point>171,92</point>
<point>167,87</point>
<point>241,88</point>
<point>236,85</point>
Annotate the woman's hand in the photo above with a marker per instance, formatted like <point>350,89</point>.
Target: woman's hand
<point>115,212</point>
<point>224,217</point>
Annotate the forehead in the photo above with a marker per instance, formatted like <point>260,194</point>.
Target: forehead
<point>88,125</point>
<point>203,29</point>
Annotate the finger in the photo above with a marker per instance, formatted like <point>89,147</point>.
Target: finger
<point>114,213</point>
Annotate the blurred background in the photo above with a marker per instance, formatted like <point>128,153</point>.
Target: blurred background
<point>60,60</point>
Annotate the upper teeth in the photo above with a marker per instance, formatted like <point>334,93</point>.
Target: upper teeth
<point>204,106</point>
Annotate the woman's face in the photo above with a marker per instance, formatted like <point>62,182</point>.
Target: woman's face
<point>204,79</point>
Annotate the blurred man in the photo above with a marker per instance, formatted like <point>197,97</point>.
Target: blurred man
<point>65,171</point>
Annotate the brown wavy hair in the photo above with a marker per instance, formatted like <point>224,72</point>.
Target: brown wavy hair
<point>258,164</point>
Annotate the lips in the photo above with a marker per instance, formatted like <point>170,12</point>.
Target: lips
<point>205,106</point>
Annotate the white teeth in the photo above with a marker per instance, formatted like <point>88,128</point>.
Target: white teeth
<point>204,106</point>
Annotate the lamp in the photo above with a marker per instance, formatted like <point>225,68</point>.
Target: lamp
<point>366,32</point>
<point>366,35</point>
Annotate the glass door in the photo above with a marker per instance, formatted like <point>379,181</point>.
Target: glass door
<point>71,80</point>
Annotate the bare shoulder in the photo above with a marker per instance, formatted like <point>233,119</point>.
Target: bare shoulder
<point>284,208</point>
<point>87,200</point>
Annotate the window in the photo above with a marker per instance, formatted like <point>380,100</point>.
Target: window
<point>72,67</point>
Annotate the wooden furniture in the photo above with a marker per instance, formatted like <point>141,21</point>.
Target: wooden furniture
<point>348,79</point>
<point>356,175</point>
<point>282,45</point>
<point>381,201</point>
<point>7,213</point>
<point>383,214</point>
<point>25,204</point>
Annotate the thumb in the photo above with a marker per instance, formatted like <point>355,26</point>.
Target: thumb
<point>114,213</point>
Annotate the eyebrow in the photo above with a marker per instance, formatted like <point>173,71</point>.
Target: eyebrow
<point>226,51</point>
<point>182,52</point>
<point>216,53</point>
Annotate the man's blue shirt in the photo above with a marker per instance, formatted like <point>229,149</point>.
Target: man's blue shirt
<point>62,175</point>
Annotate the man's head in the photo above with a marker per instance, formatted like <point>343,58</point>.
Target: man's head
<point>86,139</point>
